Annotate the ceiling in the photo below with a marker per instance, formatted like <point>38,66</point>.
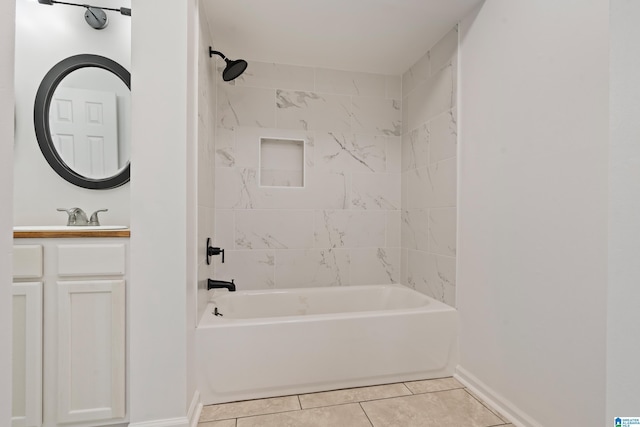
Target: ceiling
<point>378,36</point>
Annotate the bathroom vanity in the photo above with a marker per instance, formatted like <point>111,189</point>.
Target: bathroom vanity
<point>69,327</point>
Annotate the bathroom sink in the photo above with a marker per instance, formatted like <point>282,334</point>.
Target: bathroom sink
<point>68,227</point>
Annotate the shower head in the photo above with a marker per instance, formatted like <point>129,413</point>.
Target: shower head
<point>234,67</point>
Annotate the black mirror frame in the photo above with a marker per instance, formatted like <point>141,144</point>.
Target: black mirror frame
<point>41,119</point>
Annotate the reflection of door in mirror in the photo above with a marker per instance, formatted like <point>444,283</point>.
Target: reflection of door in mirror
<point>84,128</point>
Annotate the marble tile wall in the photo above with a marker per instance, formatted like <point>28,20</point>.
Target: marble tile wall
<point>428,162</point>
<point>344,226</point>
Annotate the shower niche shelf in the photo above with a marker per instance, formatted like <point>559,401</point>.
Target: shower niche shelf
<point>282,162</point>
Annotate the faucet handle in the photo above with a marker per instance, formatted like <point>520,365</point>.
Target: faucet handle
<point>72,214</point>
<point>213,251</point>
<point>69,211</point>
<point>94,217</point>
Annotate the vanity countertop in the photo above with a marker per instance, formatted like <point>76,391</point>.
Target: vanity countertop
<point>41,231</point>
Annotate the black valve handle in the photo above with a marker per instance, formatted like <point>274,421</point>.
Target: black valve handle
<point>213,251</point>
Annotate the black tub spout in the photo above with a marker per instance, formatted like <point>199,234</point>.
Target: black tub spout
<point>218,284</point>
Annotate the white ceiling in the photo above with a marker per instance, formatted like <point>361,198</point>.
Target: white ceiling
<point>378,36</point>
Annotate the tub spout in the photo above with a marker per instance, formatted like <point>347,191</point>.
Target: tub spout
<point>217,284</point>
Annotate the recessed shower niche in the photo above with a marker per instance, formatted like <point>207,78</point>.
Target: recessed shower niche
<point>281,162</point>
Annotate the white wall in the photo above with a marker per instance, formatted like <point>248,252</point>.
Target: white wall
<point>44,36</point>
<point>7,45</point>
<point>161,205</point>
<point>623,316</point>
<point>532,247</point>
<point>194,243</point>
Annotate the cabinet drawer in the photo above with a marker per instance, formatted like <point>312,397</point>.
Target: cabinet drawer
<point>91,260</point>
<point>27,261</point>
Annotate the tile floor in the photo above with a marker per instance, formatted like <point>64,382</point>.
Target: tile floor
<point>441,402</point>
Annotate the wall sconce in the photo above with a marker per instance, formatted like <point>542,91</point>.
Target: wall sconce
<point>95,16</point>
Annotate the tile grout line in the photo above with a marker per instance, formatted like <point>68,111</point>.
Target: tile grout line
<point>365,413</point>
<point>493,411</point>
<point>433,391</point>
<point>281,412</point>
<point>407,388</point>
<point>247,416</point>
<point>358,401</point>
<point>386,398</point>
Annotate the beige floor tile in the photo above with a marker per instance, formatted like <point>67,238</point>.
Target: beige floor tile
<point>224,423</point>
<point>428,386</point>
<point>452,408</point>
<point>350,415</point>
<point>504,419</point>
<point>248,408</point>
<point>352,395</point>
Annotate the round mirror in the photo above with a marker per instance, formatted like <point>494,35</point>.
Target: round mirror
<point>82,120</point>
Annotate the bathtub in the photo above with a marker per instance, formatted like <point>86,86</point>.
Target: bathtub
<point>291,341</point>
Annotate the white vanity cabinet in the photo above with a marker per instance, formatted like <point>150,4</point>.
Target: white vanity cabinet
<point>71,332</point>
<point>27,336</point>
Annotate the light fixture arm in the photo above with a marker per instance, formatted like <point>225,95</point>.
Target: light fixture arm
<point>122,10</point>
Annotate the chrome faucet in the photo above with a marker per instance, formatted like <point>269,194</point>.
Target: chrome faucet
<point>77,217</point>
<point>94,217</point>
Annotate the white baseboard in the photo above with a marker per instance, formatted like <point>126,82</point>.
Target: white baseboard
<point>168,422</point>
<point>191,420</point>
<point>194,410</point>
<point>505,407</point>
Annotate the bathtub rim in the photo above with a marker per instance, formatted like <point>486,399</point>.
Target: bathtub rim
<point>432,306</point>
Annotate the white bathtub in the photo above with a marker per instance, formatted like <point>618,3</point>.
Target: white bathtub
<point>290,341</point>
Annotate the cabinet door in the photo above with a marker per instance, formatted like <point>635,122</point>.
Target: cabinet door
<point>27,355</point>
<point>91,350</point>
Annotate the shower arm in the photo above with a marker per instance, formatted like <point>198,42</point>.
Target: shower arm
<point>215,52</point>
<point>234,67</point>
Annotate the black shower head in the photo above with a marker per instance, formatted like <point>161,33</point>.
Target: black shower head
<point>234,67</point>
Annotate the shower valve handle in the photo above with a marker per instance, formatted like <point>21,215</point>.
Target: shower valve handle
<point>215,251</point>
<point>211,251</point>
